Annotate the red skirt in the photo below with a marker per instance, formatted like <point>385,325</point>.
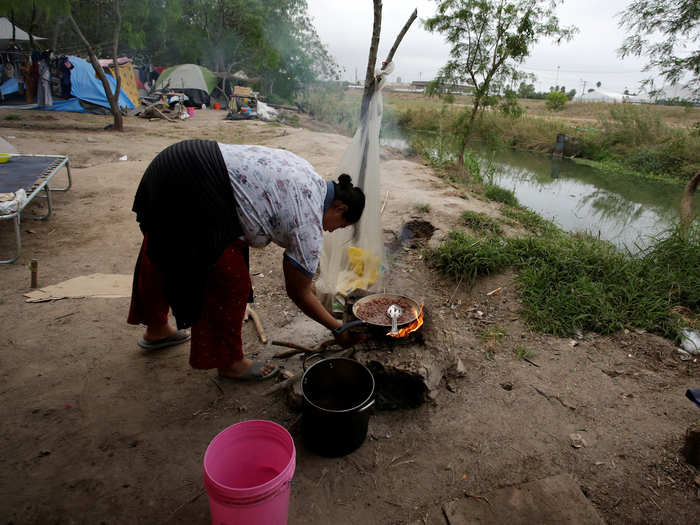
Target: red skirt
<point>216,337</point>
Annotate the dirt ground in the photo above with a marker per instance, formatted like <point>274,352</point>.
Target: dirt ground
<point>96,430</point>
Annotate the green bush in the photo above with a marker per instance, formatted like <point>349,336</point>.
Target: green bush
<point>556,100</point>
<point>509,105</point>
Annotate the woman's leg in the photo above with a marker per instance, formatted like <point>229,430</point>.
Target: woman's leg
<point>216,337</point>
<point>148,303</point>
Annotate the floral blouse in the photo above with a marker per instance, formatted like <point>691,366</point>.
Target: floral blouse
<point>279,198</point>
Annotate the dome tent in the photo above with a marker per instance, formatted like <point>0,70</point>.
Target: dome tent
<point>197,82</point>
<point>87,92</point>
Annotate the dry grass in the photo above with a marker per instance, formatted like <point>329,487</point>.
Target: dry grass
<point>575,112</point>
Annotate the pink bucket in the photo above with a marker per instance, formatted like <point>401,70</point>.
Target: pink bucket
<point>248,469</point>
<point>190,111</point>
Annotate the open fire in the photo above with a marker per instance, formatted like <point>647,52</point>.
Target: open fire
<point>406,330</point>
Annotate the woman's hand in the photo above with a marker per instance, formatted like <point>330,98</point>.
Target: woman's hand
<point>345,339</point>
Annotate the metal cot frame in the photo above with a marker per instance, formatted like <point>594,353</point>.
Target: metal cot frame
<point>40,185</point>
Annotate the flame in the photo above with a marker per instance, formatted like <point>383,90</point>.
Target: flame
<point>415,325</point>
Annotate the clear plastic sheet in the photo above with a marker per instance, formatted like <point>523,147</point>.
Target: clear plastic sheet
<point>353,258</point>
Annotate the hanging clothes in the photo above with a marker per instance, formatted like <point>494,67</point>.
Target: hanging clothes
<point>29,81</point>
<point>44,97</point>
<point>65,67</point>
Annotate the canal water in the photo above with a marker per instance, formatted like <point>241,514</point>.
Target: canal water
<point>626,210</point>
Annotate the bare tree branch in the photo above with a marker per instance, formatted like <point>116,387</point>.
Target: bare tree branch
<point>399,38</point>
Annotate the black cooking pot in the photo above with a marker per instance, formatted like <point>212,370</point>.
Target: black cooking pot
<point>337,395</point>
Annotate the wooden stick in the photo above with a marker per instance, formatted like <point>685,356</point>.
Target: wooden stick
<point>34,271</point>
<point>258,324</point>
<point>282,385</point>
<point>299,349</point>
<point>296,349</point>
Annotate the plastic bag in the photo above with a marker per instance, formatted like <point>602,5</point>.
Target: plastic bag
<point>690,341</point>
<point>353,258</point>
<point>266,112</point>
<point>8,207</point>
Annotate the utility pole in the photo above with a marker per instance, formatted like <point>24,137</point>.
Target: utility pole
<point>557,82</point>
<point>583,90</point>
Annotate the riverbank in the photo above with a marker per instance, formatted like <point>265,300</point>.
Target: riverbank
<point>654,141</point>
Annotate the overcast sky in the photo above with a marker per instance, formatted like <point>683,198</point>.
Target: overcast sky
<point>345,27</point>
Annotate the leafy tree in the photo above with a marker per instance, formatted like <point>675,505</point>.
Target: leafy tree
<point>489,39</point>
<point>97,25</point>
<point>598,84</point>
<point>556,100</point>
<point>509,105</point>
<point>526,90</point>
<point>667,32</point>
<point>275,43</point>
<point>571,94</point>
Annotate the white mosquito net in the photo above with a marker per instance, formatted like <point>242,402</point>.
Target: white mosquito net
<point>353,258</point>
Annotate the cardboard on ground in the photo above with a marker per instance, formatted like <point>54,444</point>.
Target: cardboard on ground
<point>94,285</point>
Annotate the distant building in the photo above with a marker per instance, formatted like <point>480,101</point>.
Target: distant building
<point>456,89</point>
<point>597,95</point>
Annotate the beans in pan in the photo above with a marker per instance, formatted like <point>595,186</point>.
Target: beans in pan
<point>374,311</point>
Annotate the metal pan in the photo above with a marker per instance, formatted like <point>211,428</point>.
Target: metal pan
<point>379,304</point>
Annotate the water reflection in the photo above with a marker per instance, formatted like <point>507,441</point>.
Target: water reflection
<point>625,210</point>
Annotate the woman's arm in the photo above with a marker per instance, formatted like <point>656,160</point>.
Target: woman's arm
<point>299,290</point>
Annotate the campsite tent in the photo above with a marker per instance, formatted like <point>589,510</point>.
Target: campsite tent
<point>6,33</point>
<point>126,73</point>
<point>87,92</point>
<point>197,82</point>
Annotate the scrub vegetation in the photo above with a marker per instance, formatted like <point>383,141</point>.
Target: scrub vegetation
<point>479,222</point>
<point>572,283</point>
<point>649,140</point>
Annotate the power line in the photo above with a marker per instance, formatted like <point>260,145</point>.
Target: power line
<point>619,72</point>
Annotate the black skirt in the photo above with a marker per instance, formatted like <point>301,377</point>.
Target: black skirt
<point>185,203</point>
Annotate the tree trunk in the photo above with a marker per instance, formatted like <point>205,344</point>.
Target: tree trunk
<point>372,61</point>
<point>467,133</point>
<point>114,101</point>
<point>686,210</point>
<point>111,97</point>
<point>31,26</point>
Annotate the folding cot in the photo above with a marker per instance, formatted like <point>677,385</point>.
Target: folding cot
<point>33,174</point>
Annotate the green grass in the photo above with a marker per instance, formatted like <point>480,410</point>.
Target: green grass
<point>530,220</point>
<point>523,353</point>
<point>481,223</point>
<point>498,194</point>
<point>493,333</point>
<point>579,283</point>
<point>12,117</point>
<point>423,208</point>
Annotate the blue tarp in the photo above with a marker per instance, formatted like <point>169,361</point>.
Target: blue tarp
<point>9,86</point>
<point>86,86</point>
